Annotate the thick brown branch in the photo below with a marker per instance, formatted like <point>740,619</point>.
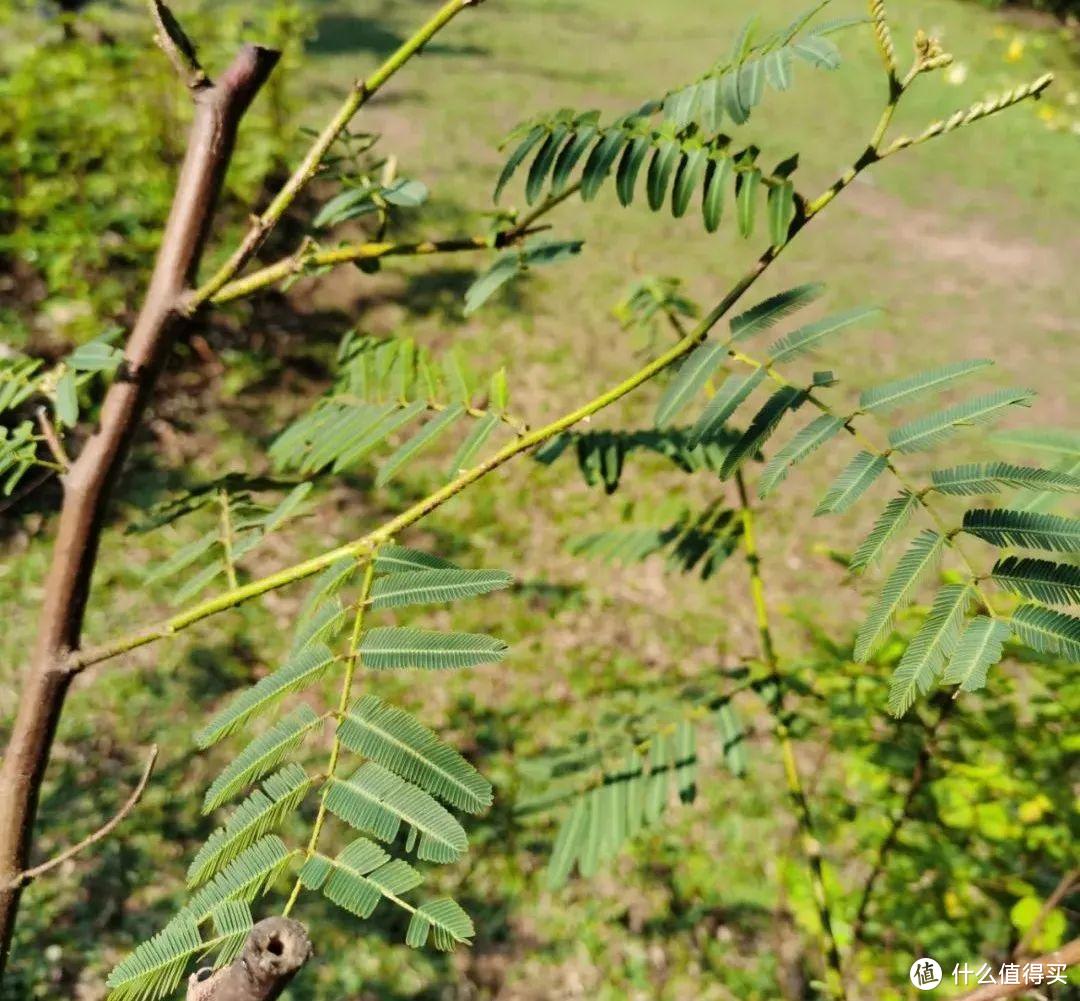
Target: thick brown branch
<point>275,950</point>
<point>89,482</point>
<point>104,831</point>
<point>1065,956</point>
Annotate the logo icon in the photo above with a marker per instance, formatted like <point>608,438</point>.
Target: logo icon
<point>925,973</point>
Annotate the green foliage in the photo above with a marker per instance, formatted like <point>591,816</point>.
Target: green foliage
<point>1042,580</point>
<point>803,444</point>
<point>695,540</point>
<point>420,587</point>
<point>926,432</point>
<point>771,311</point>
<point>392,647</point>
<point>628,772</point>
<point>377,802</point>
<point>899,392</point>
<point>443,920</point>
<point>391,737</point>
<point>383,386</point>
<point>157,967</point>
<point>1004,527</point>
<point>513,264</point>
<point>79,168</point>
<point>405,768</point>
<point>262,812</point>
<point>680,137</point>
<point>978,649</point>
<point>933,645</point>
<point>305,668</point>
<point>360,876</point>
<point>913,566</point>
<point>1048,630</point>
<point>809,337</point>
<point>856,478</point>
<point>973,479</point>
<point>888,524</point>
<point>262,755</point>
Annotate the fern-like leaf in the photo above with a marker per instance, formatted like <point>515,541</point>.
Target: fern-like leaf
<point>445,921</point>
<point>931,646</point>
<point>360,876</point>
<point>974,479</point>
<point>810,336</point>
<point>261,756</point>
<point>890,395</point>
<point>243,879</point>
<point>688,382</point>
<point>765,422</point>
<point>771,311</point>
<point>154,970</point>
<point>926,432</point>
<point>854,480</point>
<point>420,587</point>
<point>376,801</point>
<point>395,559</point>
<point>979,648</point>
<point>920,559</point>
<point>1048,630</point>
<point>805,442</point>
<point>888,525</point>
<point>1029,529</point>
<point>305,668</point>
<point>260,813</point>
<point>398,741</point>
<point>727,399</point>
<point>1041,580</point>
<point>389,647</point>
<point>424,437</point>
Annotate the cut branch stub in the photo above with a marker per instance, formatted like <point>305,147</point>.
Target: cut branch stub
<point>275,950</point>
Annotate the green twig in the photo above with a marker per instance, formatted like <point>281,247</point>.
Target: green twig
<point>811,846</point>
<point>352,659</point>
<point>360,94</point>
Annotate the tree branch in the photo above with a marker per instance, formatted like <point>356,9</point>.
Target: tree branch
<point>89,481</point>
<point>360,94</point>
<point>811,846</point>
<point>275,950</point>
<point>105,830</point>
<point>309,257</point>
<point>52,439</point>
<point>362,546</point>
<point>180,50</point>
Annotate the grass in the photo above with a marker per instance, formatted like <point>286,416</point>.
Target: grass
<point>968,247</point>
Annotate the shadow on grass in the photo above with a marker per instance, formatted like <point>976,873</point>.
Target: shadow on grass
<point>339,33</point>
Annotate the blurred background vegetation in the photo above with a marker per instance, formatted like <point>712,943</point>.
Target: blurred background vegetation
<point>971,247</point>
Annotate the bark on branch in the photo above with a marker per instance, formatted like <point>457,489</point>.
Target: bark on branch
<point>275,950</point>
<point>89,481</point>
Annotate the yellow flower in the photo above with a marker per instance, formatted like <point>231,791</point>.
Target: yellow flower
<point>1015,51</point>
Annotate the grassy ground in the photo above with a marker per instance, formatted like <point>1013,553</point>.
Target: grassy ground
<point>968,245</point>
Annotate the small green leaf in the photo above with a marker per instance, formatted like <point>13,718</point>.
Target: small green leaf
<point>746,199</point>
<point>67,399</point>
